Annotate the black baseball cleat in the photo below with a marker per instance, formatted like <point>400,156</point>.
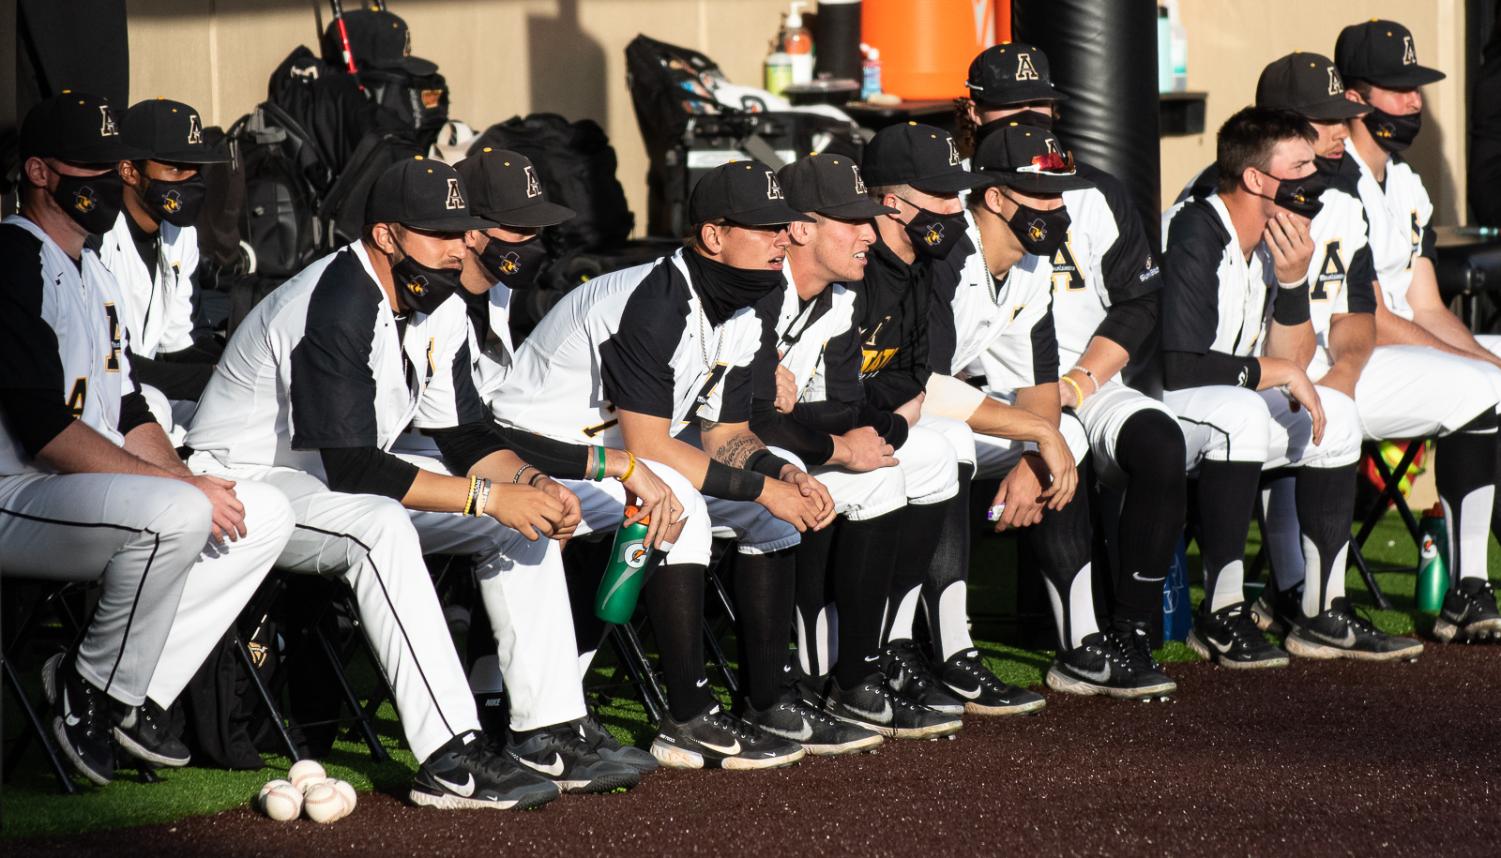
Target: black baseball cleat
<point>909,674</point>
<point>820,734</point>
<point>1099,666</point>
<point>1229,637</point>
<point>1276,612</point>
<point>142,732</point>
<point>1339,632</point>
<point>874,706</point>
<point>1469,613</point>
<point>718,740</point>
<point>467,773</point>
<point>1133,644</point>
<point>609,748</point>
<point>561,754</point>
<point>80,720</point>
<point>982,691</point>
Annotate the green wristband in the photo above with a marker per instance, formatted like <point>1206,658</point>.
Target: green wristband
<point>599,464</point>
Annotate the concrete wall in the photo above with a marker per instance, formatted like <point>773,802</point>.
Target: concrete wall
<point>506,57</point>
<point>1229,42</point>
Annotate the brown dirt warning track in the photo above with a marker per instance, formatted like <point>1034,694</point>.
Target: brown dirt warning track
<point>1318,759</point>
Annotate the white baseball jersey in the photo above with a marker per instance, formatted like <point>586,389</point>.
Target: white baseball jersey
<point>1214,299</point>
<point>1003,330</point>
<point>637,339</point>
<point>1105,259</point>
<point>158,300</point>
<point>490,345</point>
<point>1400,216</point>
<point>63,335</point>
<point>818,343</point>
<point>324,362</point>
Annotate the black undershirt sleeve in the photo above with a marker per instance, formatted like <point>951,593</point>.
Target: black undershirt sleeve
<point>773,427</point>
<point>558,459</point>
<point>177,379</point>
<point>1182,370</point>
<point>1360,296</point>
<point>1129,323</point>
<point>464,445</point>
<point>33,392</point>
<point>367,471</point>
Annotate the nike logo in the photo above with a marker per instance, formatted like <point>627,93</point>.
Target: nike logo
<point>552,770</point>
<point>876,657</point>
<point>729,750</point>
<point>1101,675</point>
<point>804,734</point>
<point>1346,642</point>
<point>69,718</point>
<point>882,717</point>
<point>965,692</point>
<point>1137,576</point>
<point>702,682</point>
<point>466,790</point>
<point>1222,647</point>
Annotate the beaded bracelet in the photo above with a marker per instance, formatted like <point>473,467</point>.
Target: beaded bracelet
<point>516,480</point>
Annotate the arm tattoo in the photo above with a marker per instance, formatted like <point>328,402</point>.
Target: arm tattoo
<point>737,450</point>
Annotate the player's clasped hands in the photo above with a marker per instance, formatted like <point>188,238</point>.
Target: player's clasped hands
<point>533,512</point>
<point>229,513</point>
<point>867,450</point>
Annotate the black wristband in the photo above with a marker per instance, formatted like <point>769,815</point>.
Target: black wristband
<point>763,461</point>
<point>1290,307</point>
<point>723,481</point>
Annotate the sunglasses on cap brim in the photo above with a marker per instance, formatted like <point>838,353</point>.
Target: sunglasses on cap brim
<point>1050,164</point>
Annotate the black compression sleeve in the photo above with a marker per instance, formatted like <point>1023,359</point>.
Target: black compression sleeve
<point>367,471</point>
<point>766,463</point>
<point>773,427</point>
<point>1290,306</point>
<point>1182,370</point>
<point>177,379</point>
<point>133,412</point>
<point>558,459</point>
<point>464,445</point>
<point>1129,323</point>
<point>34,415</point>
<point>723,481</point>
<point>891,426</point>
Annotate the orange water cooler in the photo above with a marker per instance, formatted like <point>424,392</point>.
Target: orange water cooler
<point>926,45</point>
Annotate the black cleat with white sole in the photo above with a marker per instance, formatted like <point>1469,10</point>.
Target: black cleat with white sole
<point>1098,666</point>
<point>1277,612</point>
<point>1229,637</point>
<point>1133,644</point>
<point>1339,632</point>
<point>467,773</point>
<point>562,754</point>
<point>1469,613</point>
<point>718,740</point>
<point>983,692</point>
<point>909,674</point>
<point>874,706</point>
<point>142,732</point>
<point>80,720</point>
<point>820,734</point>
<point>609,748</point>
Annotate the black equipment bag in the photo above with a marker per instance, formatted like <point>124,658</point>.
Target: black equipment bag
<point>577,165</point>
<point>417,103</point>
<point>343,208</point>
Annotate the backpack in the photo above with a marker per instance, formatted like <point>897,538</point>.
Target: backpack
<point>577,165</point>
<point>417,103</point>
<point>272,157</point>
<point>342,210</point>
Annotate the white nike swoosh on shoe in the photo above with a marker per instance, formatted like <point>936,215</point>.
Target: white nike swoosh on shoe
<point>552,770</point>
<point>804,734</point>
<point>466,789</point>
<point>729,750</point>
<point>1222,648</point>
<point>876,657</point>
<point>1101,675</point>
<point>966,693</point>
<point>1137,576</point>
<point>1346,642</point>
<point>882,717</point>
<point>702,682</point>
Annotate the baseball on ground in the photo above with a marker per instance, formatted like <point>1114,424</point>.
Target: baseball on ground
<point>303,771</point>
<point>280,801</point>
<point>322,803</point>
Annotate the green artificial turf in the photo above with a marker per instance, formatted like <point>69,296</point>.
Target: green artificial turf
<point>32,806</point>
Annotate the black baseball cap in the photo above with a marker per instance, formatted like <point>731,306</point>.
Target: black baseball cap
<point>378,39</point>
<point>742,192</point>
<point>169,131</point>
<point>829,185</point>
<point>1027,158</point>
<point>75,127</point>
<point>1307,84</point>
<point>1011,73</point>
<point>1383,53</point>
<point>918,155</point>
<point>423,194</point>
<point>504,187</point>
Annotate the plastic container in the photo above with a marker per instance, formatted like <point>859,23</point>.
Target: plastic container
<point>1164,50</point>
<point>926,45</point>
<point>797,44</point>
<point>1433,562</point>
<point>1180,53</point>
<point>615,600</point>
<point>870,72</point>
<point>1177,607</point>
<point>777,73</point>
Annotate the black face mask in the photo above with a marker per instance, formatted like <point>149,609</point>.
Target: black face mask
<point>422,288</point>
<point>1393,133</point>
<point>176,203</point>
<point>1030,116</point>
<point>934,235</point>
<point>513,263</point>
<point>1300,196</point>
<point>93,202</point>
<point>1040,231</point>
<point>1328,167</point>
<point>724,289</point>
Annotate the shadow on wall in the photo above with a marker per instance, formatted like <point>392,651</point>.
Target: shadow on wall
<point>1427,157</point>
<point>567,66</point>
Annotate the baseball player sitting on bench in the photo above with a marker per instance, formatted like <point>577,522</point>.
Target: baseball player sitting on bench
<point>656,359</point>
<point>313,390</point>
<point>91,487</point>
<point>152,250</point>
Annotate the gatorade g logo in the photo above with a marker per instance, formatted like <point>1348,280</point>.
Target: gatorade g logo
<point>859,182</point>
<point>1409,55</point>
<point>773,190</point>
<point>107,123</point>
<point>85,200</point>
<point>1037,230</point>
<point>934,236</point>
<point>510,263</point>
<point>953,152</point>
<point>1024,68</point>
<point>455,196</point>
<point>172,202</point>
<point>417,285</point>
<point>533,187</point>
<point>633,554</point>
<point>195,130</point>
<point>1336,86</point>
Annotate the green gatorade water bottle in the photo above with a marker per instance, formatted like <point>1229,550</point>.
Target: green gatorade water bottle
<point>615,601</point>
<point>1433,565</point>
